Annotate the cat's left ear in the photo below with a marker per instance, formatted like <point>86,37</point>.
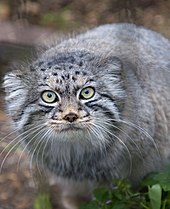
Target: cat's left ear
<point>110,68</point>
<point>113,65</point>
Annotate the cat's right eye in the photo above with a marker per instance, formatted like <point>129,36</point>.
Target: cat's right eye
<point>49,96</point>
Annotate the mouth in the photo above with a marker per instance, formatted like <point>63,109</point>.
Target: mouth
<point>71,128</point>
<point>60,127</point>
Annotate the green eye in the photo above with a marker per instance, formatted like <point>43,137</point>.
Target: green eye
<point>49,97</point>
<point>87,93</point>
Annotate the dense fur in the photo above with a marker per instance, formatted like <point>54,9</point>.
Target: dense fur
<point>123,131</point>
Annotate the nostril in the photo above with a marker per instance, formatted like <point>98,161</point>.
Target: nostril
<point>71,117</point>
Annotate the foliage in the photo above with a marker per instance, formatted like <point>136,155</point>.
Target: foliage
<point>154,193</point>
<point>42,202</point>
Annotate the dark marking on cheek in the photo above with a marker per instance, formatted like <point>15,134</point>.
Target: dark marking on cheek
<point>18,117</point>
<point>60,110</point>
<point>54,116</point>
<point>45,78</point>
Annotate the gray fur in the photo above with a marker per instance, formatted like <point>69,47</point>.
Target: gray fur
<point>129,67</point>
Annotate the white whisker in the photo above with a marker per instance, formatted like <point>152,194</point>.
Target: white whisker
<point>38,141</point>
<point>142,131</point>
<point>45,136</point>
<point>31,140</point>
<point>16,144</point>
<point>124,145</point>
<point>128,137</point>
<point>16,138</point>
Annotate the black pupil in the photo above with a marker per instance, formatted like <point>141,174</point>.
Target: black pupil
<point>49,95</point>
<point>86,91</point>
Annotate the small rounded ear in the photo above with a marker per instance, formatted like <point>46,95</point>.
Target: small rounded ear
<point>12,81</point>
<point>113,65</point>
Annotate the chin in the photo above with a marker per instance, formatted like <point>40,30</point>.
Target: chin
<point>75,134</point>
<point>71,135</point>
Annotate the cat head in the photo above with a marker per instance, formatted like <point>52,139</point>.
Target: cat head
<point>71,96</point>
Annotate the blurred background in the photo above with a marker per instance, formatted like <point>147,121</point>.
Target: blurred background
<point>27,23</point>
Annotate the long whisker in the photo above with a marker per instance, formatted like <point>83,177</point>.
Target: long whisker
<point>142,131</point>
<point>16,144</point>
<point>139,129</point>
<point>12,132</point>
<point>125,146</point>
<point>16,138</point>
<point>42,153</point>
<point>45,146</point>
<point>8,135</point>
<point>40,140</point>
<point>32,139</point>
<point>112,125</point>
<point>96,132</point>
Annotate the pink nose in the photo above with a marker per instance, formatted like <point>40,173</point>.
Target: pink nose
<point>71,117</point>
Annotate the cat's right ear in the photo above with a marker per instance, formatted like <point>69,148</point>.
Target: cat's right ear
<point>15,93</point>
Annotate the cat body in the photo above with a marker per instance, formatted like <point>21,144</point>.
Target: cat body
<point>96,107</point>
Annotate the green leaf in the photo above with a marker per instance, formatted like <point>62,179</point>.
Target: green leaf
<point>91,205</point>
<point>102,194</point>
<point>42,202</point>
<point>119,206</point>
<point>150,180</point>
<point>155,194</point>
<point>162,178</point>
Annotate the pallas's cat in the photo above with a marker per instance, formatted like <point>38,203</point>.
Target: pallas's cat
<point>96,107</point>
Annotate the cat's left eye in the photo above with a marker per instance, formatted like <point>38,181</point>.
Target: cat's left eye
<point>49,96</point>
<point>87,93</point>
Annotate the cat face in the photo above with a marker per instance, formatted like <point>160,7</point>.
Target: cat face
<point>70,97</point>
